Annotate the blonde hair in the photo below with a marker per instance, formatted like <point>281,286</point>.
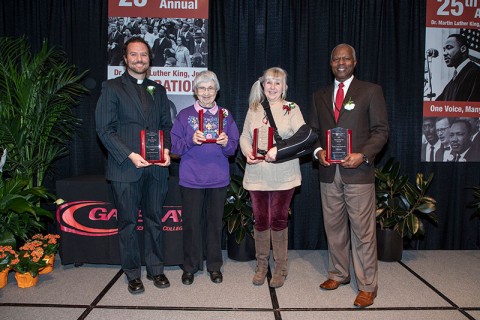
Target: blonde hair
<point>257,95</point>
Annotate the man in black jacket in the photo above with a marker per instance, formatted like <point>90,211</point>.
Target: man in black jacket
<point>129,104</point>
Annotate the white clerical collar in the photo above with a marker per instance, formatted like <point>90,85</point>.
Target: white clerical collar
<point>140,81</point>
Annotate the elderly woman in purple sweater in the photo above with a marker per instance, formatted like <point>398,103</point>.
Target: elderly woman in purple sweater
<point>204,135</point>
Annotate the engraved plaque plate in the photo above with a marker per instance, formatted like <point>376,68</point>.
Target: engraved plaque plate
<point>262,141</point>
<point>339,144</point>
<point>151,146</point>
<point>212,133</point>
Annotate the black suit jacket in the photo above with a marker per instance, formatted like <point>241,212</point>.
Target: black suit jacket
<point>465,86</point>
<point>367,120</point>
<point>438,154</point>
<point>473,153</point>
<point>115,42</point>
<point>119,120</point>
<point>158,51</point>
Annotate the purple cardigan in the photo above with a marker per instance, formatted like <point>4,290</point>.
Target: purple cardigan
<point>205,165</point>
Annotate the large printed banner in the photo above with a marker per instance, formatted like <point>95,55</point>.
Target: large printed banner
<point>177,32</point>
<point>451,106</point>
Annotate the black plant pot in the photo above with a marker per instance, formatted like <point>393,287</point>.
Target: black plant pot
<point>389,245</point>
<point>245,251</point>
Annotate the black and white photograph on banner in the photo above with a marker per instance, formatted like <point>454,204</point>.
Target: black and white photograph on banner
<point>451,94</point>
<point>183,39</point>
<point>179,48</point>
<point>452,58</point>
<point>452,139</point>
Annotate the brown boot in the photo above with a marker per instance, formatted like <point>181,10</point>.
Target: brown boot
<point>280,255</point>
<point>262,248</point>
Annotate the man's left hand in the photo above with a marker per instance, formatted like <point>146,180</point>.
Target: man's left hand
<point>352,161</point>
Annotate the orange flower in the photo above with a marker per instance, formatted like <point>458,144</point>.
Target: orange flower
<point>8,257</point>
<point>30,258</point>
<point>49,242</point>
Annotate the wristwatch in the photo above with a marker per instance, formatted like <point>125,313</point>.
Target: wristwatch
<point>365,159</point>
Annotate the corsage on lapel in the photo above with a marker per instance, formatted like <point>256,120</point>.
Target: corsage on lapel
<point>225,113</point>
<point>288,108</point>
<point>151,90</point>
<point>349,105</point>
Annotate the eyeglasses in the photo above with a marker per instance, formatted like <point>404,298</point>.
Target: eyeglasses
<point>442,130</point>
<point>203,89</point>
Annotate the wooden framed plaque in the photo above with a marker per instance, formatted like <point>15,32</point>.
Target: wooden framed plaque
<point>212,133</point>
<point>151,146</point>
<point>339,144</point>
<point>262,141</point>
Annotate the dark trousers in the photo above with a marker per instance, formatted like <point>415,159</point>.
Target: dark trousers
<point>270,209</point>
<point>149,195</point>
<point>202,213</point>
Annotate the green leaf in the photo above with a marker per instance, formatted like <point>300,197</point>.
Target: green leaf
<point>426,207</point>
<point>39,91</point>
<point>400,227</point>
<point>400,204</point>
<point>8,239</point>
<point>239,236</point>
<point>413,223</point>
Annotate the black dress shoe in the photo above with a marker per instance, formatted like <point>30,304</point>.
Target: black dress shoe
<point>187,278</point>
<point>216,276</point>
<point>135,286</point>
<point>160,281</point>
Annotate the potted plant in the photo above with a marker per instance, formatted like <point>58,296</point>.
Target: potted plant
<point>38,93</point>
<point>401,207</point>
<point>238,218</point>
<point>7,256</point>
<point>50,246</point>
<point>30,261</point>
<point>20,212</point>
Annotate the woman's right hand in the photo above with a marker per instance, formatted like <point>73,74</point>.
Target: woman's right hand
<point>198,137</point>
<point>251,159</point>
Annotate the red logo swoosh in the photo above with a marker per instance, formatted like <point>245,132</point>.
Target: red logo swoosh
<point>66,218</point>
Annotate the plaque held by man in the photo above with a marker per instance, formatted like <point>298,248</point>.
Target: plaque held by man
<point>151,146</point>
<point>262,141</point>
<point>339,144</point>
<point>212,136</point>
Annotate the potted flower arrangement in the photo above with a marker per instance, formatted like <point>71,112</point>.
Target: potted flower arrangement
<point>7,256</point>
<point>401,208</point>
<point>30,261</point>
<point>50,246</point>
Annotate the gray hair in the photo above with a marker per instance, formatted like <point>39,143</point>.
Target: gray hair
<point>205,76</point>
<point>344,45</point>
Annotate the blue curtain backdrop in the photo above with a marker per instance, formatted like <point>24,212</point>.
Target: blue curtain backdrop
<point>248,36</point>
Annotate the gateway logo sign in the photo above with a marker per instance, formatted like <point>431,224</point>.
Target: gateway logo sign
<point>99,218</point>
<point>88,218</point>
